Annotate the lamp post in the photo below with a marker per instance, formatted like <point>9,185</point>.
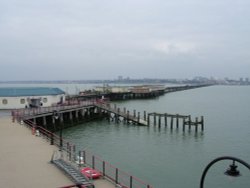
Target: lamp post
<point>56,115</point>
<point>231,171</point>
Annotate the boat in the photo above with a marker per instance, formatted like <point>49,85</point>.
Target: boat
<point>91,173</point>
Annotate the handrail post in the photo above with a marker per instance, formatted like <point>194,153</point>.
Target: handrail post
<point>116,175</point>
<point>131,182</point>
<point>93,162</point>
<point>103,168</point>
<point>51,138</point>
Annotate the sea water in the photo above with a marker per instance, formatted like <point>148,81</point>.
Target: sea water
<point>175,159</point>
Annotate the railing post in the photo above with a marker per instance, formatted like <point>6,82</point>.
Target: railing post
<point>103,168</point>
<point>116,175</point>
<point>131,182</point>
<point>84,156</point>
<point>93,162</point>
<point>51,139</point>
<point>70,152</point>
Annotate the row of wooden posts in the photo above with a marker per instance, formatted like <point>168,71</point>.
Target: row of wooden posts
<point>168,119</point>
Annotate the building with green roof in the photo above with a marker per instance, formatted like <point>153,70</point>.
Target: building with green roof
<point>29,97</point>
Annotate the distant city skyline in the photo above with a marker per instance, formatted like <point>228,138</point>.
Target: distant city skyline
<point>88,40</point>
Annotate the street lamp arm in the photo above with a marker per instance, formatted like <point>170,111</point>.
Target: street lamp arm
<point>220,159</point>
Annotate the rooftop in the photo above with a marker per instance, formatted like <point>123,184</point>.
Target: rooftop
<point>29,91</point>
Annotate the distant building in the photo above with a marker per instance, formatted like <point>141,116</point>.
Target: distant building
<point>28,97</point>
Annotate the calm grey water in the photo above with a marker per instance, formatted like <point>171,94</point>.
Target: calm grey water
<point>173,159</point>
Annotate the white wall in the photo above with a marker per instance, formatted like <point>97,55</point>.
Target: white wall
<point>15,102</point>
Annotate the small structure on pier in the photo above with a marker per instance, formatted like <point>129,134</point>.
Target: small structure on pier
<point>28,97</point>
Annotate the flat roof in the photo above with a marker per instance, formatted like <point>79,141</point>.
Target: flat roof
<point>29,91</point>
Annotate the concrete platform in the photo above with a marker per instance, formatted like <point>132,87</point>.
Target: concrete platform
<point>25,159</point>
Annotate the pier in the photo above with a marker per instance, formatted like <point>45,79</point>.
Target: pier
<point>114,93</point>
<point>67,116</point>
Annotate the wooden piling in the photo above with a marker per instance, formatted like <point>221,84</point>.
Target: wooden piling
<point>171,123</point>
<point>127,116</point>
<point>145,116</point>
<point>189,122</point>
<point>138,118</point>
<point>159,121</point>
<point>154,119</point>
<point>202,123</point>
<point>177,121</point>
<point>196,124</point>
<point>166,119</point>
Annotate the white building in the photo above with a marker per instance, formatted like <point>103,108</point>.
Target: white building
<point>27,97</point>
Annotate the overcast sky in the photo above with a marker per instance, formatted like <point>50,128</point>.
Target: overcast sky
<point>102,39</point>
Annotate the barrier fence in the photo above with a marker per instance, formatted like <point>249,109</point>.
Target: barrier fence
<point>87,158</point>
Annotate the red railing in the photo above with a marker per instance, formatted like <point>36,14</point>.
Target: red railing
<point>119,177</point>
<point>116,175</point>
<point>41,110</point>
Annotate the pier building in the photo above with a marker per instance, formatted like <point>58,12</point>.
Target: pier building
<point>27,97</point>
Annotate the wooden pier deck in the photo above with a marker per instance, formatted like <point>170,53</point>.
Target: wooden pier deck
<point>99,108</point>
<point>124,114</point>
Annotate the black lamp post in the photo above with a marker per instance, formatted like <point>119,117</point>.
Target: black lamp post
<point>56,116</point>
<point>231,171</point>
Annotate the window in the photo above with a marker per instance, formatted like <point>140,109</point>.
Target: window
<point>45,100</point>
<point>22,101</point>
<point>5,101</point>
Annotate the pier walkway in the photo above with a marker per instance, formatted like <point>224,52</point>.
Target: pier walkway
<point>25,159</point>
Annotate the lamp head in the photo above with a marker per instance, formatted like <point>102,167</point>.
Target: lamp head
<point>232,170</point>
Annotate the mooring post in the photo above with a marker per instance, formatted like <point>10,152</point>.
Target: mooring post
<point>183,124</point>
<point>154,119</point>
<point>159,121</point>
<point>171,122</point>
<point>124,110</point>
<point>134,113</point>
<point>189,122</point>
<point>115,106</point>
<point>145,116</point>
<point>148,119</point>
<point>166,119</point>
<point>196,124</point>
<point>202,123</point>
<point>138,118</point>
<point>177,121</point>
<point>127,116</point>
